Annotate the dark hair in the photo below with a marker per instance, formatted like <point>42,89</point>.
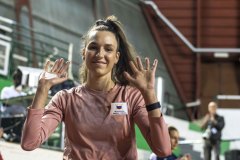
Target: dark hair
<point>127,52</point>
<point>17,77</point>
<point>171,128</point>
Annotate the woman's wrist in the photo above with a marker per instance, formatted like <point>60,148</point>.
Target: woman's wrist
<point>40,97</point>
<point>149,96</point>
<point>153,106</point>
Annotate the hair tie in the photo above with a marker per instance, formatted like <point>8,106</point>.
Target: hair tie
<point>107,23</point>
<point>100,22</point>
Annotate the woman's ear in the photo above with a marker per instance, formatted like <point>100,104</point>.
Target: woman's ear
<point>117,57</point>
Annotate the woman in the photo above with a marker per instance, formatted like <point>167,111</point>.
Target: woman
<point>99,115</point>
<point>174,137</point>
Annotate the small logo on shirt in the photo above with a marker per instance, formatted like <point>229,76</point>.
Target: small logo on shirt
<point>119,108</point>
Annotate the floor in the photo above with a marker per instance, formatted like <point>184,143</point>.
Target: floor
<point>12,151</point>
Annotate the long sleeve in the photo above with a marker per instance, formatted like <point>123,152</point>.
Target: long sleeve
<point>204,122</point>
<point>40,124</point>
<point>154,129</point>
<point>220,123</point>
<point>86,111</point>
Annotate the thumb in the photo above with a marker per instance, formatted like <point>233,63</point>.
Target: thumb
<point>128,77</point>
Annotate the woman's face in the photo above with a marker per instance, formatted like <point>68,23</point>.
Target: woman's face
<point>174,137</point>
<point>101,53</point>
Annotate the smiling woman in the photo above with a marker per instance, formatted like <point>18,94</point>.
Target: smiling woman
<point>115,42</point>
<point>101,55</point>
<point>117,92</point>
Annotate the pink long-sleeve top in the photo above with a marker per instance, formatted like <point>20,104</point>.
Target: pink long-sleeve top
<point>91,131</point>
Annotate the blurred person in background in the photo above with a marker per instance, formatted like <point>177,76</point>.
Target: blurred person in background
<point>100,114</point>
<point>12,114</point>
<point>213,125</point>
<point>13,91</point>
<point>174,137</point>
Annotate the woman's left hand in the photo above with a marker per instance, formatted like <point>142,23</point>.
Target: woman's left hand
<point>143,78</point>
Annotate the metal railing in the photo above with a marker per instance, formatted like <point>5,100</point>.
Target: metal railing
<point>45,46</point>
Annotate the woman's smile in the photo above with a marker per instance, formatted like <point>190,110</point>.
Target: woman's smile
<point>99,62</point>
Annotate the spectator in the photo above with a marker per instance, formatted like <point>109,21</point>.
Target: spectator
<point>10,112</point>
<point>174,137</point>
<point>213,125</point>
<point>13,91</point>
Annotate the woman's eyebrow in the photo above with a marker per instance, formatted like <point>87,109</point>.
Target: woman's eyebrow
<point>109,45</point>
<point>93,43</point>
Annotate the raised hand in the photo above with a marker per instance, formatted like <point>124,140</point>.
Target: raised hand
<point>143,77</point>
<point>54,74</point>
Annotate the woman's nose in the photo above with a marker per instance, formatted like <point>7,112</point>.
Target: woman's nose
<point>100,52</point>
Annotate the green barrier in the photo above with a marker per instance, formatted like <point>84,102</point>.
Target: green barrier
<point>195,127</point>
<point>177,151</point>
<point>225,146</point>
<point>141,142</point>
<point>5,82</point>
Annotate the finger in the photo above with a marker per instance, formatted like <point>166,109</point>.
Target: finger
<point>147,63</point>
<point>133,67</point>
<point>59,66</point>
<point>64,68</point>
<point>55,66</point>
<point>47,65</point>
<point>42,75</point>
<point>154,66</point>
<point>139,63</point>
<point>128,77</point>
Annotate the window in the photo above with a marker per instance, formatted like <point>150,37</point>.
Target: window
<point>4,57</point>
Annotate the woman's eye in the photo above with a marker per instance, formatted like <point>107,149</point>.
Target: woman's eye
<point>92,47</point>
<point>109,49</point>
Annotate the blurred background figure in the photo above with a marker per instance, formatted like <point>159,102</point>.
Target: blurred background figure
<point>12,115</point>
<point>13,91</point>
<point>64,85</point>
<point>213,125</point>
<point>174,137</point>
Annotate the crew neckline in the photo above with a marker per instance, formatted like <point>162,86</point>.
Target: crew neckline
<point>100,92</point>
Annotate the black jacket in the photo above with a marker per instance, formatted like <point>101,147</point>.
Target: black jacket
<point>216,128</point>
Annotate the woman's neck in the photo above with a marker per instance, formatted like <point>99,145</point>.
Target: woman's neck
<point>100,84</point>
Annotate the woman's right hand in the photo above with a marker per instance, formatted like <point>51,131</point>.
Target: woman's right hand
<point>54,73</point>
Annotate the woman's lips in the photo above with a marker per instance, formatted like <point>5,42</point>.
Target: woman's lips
<point>99,62</point>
